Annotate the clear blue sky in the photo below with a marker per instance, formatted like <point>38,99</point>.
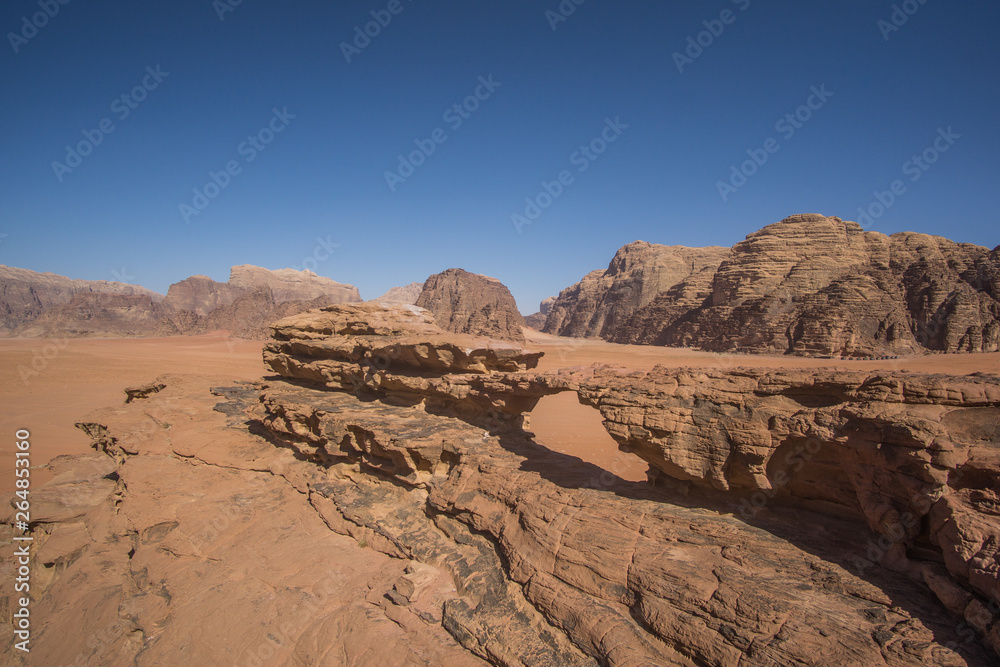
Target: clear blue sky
<point>117,215</point>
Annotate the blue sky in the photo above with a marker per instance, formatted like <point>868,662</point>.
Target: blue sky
<point>317,195</point>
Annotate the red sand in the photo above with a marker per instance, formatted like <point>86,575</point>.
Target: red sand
<point>81,375</point>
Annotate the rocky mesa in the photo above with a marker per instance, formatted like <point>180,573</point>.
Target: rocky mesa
<point>468,303</point>
<point>809,285</point>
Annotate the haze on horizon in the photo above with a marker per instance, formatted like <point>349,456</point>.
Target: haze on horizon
<point>424,144</point>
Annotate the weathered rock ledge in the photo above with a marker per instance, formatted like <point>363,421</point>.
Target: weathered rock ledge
<point>827,518</point>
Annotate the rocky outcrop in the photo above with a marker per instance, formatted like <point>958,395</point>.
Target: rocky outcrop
<point>44,305</point>
<point>917,457</point>
<point>808,285</point>
<point>102,314</point>
<point>292,285</point>
<point>468,303</point>
<point>24,295</point>
<point>604,300</point>
<point>407,294</point>
<point>200,295</point>
<point>537,320</point>
<point>876,450</point>
<point>388,461</point>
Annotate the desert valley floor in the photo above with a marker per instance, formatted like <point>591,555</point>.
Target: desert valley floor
<point>87,374</point>
<point>189,536</point>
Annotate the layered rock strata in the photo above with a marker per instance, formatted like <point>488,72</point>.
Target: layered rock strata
<point>388,460</point>
<point>809,285</point>
<point>468,303</point>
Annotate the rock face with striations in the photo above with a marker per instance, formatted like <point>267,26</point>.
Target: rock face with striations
<point>468,303</point>
<point>407,294</point>
<point>292,285</point>
<point>387,462</point>
<point>537,320</point>
<point>809,285</point>
<point>24,295</point>
<point>603,301</point>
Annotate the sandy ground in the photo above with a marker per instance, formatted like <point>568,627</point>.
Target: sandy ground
<point>47,385</point>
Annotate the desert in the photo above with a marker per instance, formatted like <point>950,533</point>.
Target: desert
<point>522,334</point>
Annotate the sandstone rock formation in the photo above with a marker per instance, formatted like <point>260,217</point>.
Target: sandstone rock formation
<point>468,303</point>
<point>381,490</point>
<point>537,320</point>
<point>200,295</point>
<point>24,294</point>
<point>808,285</point>
<point>639,272</point>
<point>855,448</point>
<point>102,314</point>
<point>292,285</point>
<point>407,294</point>
<point>44,305</point>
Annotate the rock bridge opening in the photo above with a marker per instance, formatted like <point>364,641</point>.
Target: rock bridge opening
<point>561,423</point>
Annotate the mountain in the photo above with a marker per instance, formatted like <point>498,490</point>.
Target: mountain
<point>25,294</point>
<point>537,320</point>
<point>45,305</point>
<point>638,273</point>
<point>468,303</point>
<point>809,285</point>
<point>407,294</point>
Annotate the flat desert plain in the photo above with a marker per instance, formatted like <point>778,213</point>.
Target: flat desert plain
<point>81,375</point>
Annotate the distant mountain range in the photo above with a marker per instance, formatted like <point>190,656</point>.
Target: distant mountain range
<point>47,305</point>
<point>809,285</point>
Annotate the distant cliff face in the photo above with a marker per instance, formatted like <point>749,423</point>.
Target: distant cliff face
<point>24,294</point>
<point>407,294</point>
<point>537,320</point>
<point>292,285</point>
<point>603,301</point>
<point>808,285</point>
<point>200,295</point>
<point>40,305</point>
<point>469,303</point>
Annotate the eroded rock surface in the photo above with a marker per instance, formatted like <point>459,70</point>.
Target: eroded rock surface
<point>468,303</point>
<point>389,459</point>
<point>808,285</point>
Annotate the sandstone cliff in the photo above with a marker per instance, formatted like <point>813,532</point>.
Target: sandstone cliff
<point>24,294</point>
<point>405,294</point>
<point>468,303</point>
<point>537,320</point>
<point>604,300</point>
<point>45,305</point>
<point>292,285</point>
<point>808,285</point>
